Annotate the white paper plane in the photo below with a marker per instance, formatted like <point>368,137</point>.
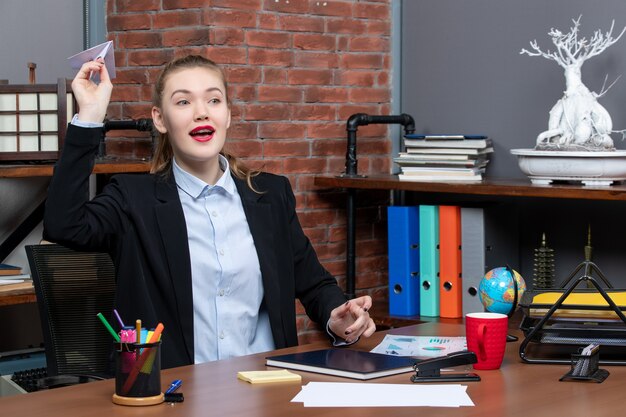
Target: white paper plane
<point>104,50</point>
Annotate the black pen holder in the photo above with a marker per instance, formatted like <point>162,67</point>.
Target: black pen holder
<point>138,374</point>
<point>585,368</point>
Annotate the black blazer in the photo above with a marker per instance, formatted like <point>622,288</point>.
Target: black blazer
<point>139,221</point>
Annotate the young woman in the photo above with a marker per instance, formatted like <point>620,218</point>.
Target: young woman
<point>209,248</point>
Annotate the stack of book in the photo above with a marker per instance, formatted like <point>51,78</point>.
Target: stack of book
<point>444,157</point>
<point>10,274</point>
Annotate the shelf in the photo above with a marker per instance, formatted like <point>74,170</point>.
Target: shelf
<point>45,170</point>
<point>494,187</point>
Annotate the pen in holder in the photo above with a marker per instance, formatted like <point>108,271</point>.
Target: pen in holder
<point>584,366</point>
<point>138,374</point>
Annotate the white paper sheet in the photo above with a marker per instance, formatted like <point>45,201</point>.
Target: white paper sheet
<point>340,394</point>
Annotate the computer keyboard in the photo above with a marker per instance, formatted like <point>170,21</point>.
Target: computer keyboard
<point>27,379</point>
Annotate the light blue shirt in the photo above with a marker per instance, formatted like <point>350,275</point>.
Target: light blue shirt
<point>229,318</point>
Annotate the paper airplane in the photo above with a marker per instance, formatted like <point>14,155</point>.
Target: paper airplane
<point>104,50</point>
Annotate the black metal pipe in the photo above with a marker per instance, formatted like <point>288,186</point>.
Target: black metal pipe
<point>142,125</point>
<point>354,121</point>
<point>362,119</point>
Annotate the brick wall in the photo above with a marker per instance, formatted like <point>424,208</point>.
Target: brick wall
<point>297,69</point>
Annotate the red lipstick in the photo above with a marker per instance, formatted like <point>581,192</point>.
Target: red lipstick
<point>203,133</point>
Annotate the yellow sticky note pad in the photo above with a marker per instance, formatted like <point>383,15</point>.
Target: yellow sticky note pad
<point>263,377</point>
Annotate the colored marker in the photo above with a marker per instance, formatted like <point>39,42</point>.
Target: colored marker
<point>138,330</point>
<point>108,327</point>
<point>119,319</point>
<point>174,386</point>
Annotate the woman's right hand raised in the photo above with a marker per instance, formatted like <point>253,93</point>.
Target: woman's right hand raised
<point>93,99</point>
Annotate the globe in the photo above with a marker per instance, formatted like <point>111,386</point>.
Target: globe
<point>497,291</point>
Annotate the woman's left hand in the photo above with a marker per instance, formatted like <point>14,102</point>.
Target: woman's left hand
<point>351,320</point>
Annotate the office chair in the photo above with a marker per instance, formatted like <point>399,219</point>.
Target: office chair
<point>72,287</point>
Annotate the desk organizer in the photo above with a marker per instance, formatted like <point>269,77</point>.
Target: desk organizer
<point>557,322</point>
<point>585,368</point>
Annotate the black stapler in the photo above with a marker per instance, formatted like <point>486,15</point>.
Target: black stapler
<point>429,370</point>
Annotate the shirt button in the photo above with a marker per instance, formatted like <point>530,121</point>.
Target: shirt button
<point>221,251</point>
<point>214,213</point>
<point>221,335</point>
<point>221,293</point>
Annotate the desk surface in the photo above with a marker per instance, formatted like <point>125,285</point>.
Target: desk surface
<point>516,389</point>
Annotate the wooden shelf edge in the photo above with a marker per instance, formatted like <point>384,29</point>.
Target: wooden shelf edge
<point>45,170</point>
<point>488,187</point>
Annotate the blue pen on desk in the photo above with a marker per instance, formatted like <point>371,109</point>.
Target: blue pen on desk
<point>174,386</point>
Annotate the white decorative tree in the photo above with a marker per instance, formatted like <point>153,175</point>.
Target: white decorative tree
<point>577,121</point>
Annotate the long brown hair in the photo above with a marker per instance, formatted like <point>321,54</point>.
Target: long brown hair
<point>163,154</point>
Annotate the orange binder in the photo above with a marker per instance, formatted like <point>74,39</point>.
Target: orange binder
<point>450,285</point>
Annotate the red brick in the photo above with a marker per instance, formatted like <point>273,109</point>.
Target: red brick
<point>314,42</point>
<point>325,95</point>
<point>370,95</point>
<point>313,112</point>
<point>226,36</point>
<point>284,130</point>
<point>332,8</point>
<point>227,55</point>
<point>267,112</point>
<point>136,5</point>
<point>314,218</point>
<point>309,76</point>
<point>346,26</point>
<point>265,39</point>
<point>239,4</point>
<point>185,37</point>
<point>371,11</point>
<point>268,22</point>
<point>379,27</point>
<point>131,76</point>
<point>329,147</point>
<point>138,40</point>
<point>129,93</point>
<point>243,74</point>
<point>357,78</point>
<point>243,130</point>
<point>306,165</point>
<point>361,61</point>
<point>285,148</point>
<point>244,148</point>
<point>369,44</point>
<point>300,23</point>
<point>228,17</point>
<point>280,93</point>
<point>245,93</point>
<point>293,6</point>
<point>316,59</point>
<point>168,20</point>
<point>262,56</point>
<point>157,57</point>
<point>128,22</point>
<point>274,76</point>
<point>183,4</point>
<point>135,111</point>
<point>326,130</point>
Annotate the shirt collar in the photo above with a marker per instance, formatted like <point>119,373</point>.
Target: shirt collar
<point>195,187</point>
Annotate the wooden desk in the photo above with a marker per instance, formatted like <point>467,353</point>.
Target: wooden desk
<point>212,389</point>
<point>21,293</point>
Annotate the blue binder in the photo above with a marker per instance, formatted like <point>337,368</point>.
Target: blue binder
<point>429,260</point>
<point>403,244</point>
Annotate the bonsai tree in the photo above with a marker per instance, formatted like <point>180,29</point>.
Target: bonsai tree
<point>577,121</point>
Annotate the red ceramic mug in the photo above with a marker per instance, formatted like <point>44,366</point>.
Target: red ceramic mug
<point>486,337</point>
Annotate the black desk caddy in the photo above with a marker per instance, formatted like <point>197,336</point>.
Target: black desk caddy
<point>585,368</point>
<point>570,332</point>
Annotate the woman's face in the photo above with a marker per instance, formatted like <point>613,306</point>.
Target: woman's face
<point>195,115</point>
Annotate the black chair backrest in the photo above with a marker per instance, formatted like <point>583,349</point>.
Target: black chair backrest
<point>72,288</point>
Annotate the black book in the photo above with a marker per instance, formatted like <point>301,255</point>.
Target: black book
<point>344,362</point>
